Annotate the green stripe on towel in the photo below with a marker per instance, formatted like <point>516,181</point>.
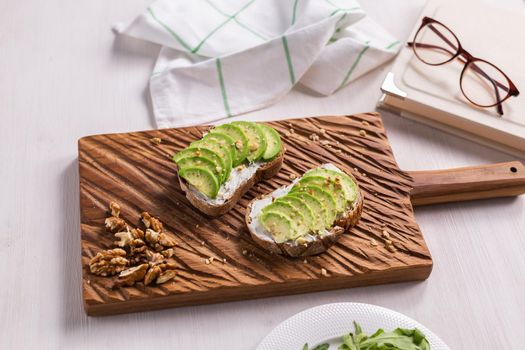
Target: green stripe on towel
<point>354,65</point>
<point>254,32</point>
<point>294,11</point>
<point>223,89</point>
<point>197,48</point>
<point>392,45</point>
<point>169,30</point>
<point>288,59</point>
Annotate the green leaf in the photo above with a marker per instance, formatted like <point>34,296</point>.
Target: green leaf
<point>358,329</point>
<point>399,339</point>
<point>348,343</point>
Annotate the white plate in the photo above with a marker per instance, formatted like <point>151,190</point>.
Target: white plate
<point>328,323</point>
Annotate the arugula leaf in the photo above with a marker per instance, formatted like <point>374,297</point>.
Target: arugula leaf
<point>398,339</point>
<point>324,346</point>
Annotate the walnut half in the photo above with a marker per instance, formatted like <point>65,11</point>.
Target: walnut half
<point>166,276</point>
<point>109,262</point>
<point>151,222</point>
<point>133,274</point>
<point>114,224</point>
<point>158,240</point>
<point>132,239</point>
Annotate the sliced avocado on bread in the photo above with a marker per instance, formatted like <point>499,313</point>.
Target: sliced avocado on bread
<point>240,141</point>
<point>199,152</point>
<point>307,216</point>
<point>256,139</point>
<point>218,169</point>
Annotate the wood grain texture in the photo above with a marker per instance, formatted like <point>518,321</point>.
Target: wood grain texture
<point>133,171</point>
<point>468,183</point>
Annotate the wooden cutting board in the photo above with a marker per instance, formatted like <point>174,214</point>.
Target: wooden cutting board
<point>139,175</point>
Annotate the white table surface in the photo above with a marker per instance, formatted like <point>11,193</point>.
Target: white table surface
<point>63,76</point>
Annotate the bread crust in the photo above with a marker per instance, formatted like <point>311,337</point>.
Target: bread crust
<point>343,224</point>
<point>265,172</point>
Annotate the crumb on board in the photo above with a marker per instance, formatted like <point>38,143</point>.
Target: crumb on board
<point>293,176</point>
<point>207,261</point>
<point>362,133</point>
<point>244,252</point>
<point>365,123</point>
<point>305,261</point>
<point>386,234</point>
<point>390,246</point>
<point>314,137</point>
<point>156,140</point>
<point>324,272</point>
<point>373,242</point>
<point>324,142</point>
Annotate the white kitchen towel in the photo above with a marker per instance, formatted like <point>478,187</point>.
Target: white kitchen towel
<point>225,57</point>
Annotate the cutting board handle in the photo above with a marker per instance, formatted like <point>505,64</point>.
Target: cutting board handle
<point>468,183</point>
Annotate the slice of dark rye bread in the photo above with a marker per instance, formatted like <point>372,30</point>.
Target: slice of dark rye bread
<point>264,172</point>
<point>343,223</point>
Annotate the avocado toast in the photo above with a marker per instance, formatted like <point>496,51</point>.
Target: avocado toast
<point>218,169</point>
<point>307,216</point>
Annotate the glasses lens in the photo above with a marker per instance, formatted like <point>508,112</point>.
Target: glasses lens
<point>434,44</point>
<point>484,84</point>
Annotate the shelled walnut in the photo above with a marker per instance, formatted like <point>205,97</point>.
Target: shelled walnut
<point>158,240</point>
<point>151,222</point>
<point>132,275</point>
<point>141,256</point>
<point>109,262</point>
<point>133,238</point>
<point>114,224</point>
<point>160,273</point>
<point>115,209</point>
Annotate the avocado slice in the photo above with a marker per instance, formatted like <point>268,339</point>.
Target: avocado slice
<point>324,197</point>
<point>290,212</point>
<point>330,185</point>
<point>348,186</point>
<point>279,225</point>
<point>256,139</point>
<point>203,153</point>
<point>273,142</point>
<point>202,179</point>
<point>315,205</point>
<point>221,148</point>
<point>302,207</point>
<point>239,138</point>
<point>227,141</point>
<point>200,162</point>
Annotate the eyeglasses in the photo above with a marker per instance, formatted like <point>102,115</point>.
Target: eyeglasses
<point>481,82</point>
